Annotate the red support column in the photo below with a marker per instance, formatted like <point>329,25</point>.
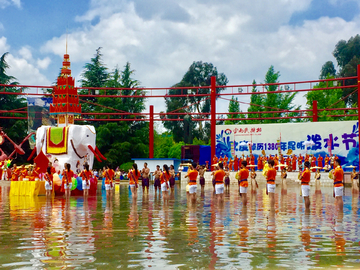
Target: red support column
<point>213,117</point>
<point>358,92</point>
<point>151,132</point>
<point>315,111</point>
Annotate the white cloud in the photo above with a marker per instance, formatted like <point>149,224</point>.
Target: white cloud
<point>4,47</point>
<point>25,72</point>
<point>23,66</point>
<point>25,52</point>
<point>6,3</point>
<point>16,3</point>
<point>241,38</point>
<point>43,63</point>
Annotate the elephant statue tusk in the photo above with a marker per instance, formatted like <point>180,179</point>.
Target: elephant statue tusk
<point>99,153</point>
<point>95,154</point>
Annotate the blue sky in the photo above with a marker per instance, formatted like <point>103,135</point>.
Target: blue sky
<point>161,38</point>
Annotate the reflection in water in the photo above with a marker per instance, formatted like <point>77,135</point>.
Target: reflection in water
<point>58,232</point>
<point>243,229</point>
<point>339,234</point>
<point>192,225</point>
<point>133,220</point>
<point>148,232</point>
<point>271,232</point>
<point>305,231</point>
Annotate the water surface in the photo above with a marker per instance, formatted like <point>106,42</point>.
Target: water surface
<point>120,232</point>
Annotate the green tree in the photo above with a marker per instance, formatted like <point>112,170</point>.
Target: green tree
<point>234,107</point>
<point>272,101</point>
<point>327,99</point>
<point>129,138</point>
<point>162,144</point>
<point>15,129</point>
<point>196,141</point>
<point>198,75</point>
<point>135,100</point>
<point>328,70</point>
<point>256,101</point>
<point>347,55</point>
<point>94,75</point>
<point>175,150</point>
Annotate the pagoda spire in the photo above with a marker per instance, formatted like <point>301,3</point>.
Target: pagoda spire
<point>65,97</point>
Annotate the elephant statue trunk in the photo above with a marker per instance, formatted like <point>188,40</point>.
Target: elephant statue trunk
<point>96,153</point>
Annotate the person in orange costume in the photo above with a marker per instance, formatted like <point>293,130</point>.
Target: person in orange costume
<point>67,174</point>
<point>53,170</point>
<point>305,188</point>
<point>236,163</point>
<point>276,160</point>
<point>313,162</point>
<point>24,173</point>
<point>288,163</point>
<point>225,161</point>
<point>300,161</point>
<point>338,184</point>
<point>320,161</point>
<point>270,182</point>
<point>215,159</point>
<point>243,182</point>
<point>231,165</point>
<point>86,174</point>
<point>259,163</point>
<point>34,173</point>
<point>293,162</point>
<point>327,160</point>
<point>192,174</point>
<point>15,173</point>
<point>164,181</point>
<point>282,161</point>
<point>252,158</point>
<point>133,176</point>
<point>109,176</point>
<point>219,182</point>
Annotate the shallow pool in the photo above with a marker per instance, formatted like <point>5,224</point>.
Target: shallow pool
<point>118,232</point>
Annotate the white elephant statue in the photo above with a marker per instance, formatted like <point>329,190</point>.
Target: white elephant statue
<point>72,144</point>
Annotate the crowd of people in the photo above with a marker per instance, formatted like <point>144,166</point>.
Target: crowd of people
<point>292,161</point>
<point>164,179</point>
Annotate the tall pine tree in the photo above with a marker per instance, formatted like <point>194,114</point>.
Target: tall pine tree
<point>234,107</point>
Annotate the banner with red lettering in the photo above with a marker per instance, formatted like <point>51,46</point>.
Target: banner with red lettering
<point>339,138</point>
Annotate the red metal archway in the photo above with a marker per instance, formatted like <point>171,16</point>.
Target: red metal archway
<point>302,86</point>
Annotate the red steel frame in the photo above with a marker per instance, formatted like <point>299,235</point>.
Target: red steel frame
<point>304,86</point>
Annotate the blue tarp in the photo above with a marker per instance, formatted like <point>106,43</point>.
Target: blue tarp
<point>205,154</point>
